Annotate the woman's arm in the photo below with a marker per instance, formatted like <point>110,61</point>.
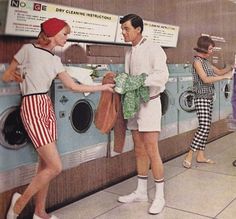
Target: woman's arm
<point>209,79</point>
<point>72,85</point>
<point>222,71</point>
<point>11,73</point>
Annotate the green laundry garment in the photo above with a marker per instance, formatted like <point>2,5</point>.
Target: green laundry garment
<point>133,93</point>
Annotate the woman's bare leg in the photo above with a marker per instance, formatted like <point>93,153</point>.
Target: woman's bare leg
<point>49,154</point>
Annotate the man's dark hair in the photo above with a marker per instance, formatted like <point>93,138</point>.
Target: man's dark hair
<point>136,21</point>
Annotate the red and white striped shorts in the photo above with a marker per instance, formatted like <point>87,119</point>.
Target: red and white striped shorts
<point>39,119</point>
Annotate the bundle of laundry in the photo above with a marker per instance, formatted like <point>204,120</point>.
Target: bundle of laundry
<point>109,114</point>
<point>133,91</point>
<point>114,108</point>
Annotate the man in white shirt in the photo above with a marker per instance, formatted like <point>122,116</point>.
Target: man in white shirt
<point>150,58</point>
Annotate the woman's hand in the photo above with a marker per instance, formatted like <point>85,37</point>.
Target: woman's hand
<point>12,76</point>
<point>108,87</point>
<point>12,73</point>
<point>16,76</point>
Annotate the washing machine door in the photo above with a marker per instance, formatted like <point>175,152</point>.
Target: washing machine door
<point>12,133</point>
<point>226,90</point>
<point>164,102</point>
<point>82,115</point>
<point>186,101</point>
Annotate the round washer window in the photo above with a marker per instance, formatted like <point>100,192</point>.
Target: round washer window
<point>13,134</point>
<point>227,91</point>
<point>81,116</point>
<point>186,101</point>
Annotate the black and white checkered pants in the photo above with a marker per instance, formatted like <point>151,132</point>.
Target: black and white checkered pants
<point>204,113</point>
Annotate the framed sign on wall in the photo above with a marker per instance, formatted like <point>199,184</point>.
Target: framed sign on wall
<point>164,34</point>
<point>24,18</point>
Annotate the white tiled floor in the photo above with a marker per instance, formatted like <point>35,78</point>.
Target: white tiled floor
<point>204,191</point>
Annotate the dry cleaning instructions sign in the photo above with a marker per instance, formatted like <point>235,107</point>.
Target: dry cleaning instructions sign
<point>3,11</point>
<point>24,19</point>
<point>164,34</point>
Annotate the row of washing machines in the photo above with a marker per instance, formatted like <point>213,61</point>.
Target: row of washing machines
<point>78,138</point>
<point>179,114</point>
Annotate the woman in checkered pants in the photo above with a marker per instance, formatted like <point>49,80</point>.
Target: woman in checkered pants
<point>204,76</point>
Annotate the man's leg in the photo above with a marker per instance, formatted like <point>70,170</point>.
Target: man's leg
<point>142,163</point>
<point>150,140</point>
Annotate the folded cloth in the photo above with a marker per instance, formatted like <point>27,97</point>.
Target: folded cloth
<point>109,114</point>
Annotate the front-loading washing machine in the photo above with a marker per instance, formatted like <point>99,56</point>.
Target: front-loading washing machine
<point>187,118</point>
<point>169,120</point>
<point>216,103</point>
<point>226,87</point>
<point>17,154</point>
<point>179,69</point>
<point>105,142</point>
<point>78,138</point>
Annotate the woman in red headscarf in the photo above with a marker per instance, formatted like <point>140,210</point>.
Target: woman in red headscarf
<point>40,66</point>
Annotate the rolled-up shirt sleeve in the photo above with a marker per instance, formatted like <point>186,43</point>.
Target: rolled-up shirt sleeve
<point>160,74</point>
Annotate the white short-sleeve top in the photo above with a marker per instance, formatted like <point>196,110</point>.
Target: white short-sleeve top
<point>38,67</point>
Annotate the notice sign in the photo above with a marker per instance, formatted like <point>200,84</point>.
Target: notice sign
<point>164,34</point>
<point>24,18</point>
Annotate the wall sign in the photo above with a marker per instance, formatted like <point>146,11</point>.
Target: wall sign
<point>3,14</point>
<point>164,34</point>
<point>24,18</point>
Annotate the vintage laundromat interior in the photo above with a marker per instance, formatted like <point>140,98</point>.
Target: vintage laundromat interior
<point>93,175</point>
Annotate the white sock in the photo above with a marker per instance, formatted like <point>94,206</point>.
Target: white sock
<point>142,184</point>
<point>159,188</point>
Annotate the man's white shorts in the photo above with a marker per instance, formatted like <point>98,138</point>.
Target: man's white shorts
<point>148,118</point>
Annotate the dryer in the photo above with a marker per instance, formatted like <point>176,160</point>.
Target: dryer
<point>226,87</point>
